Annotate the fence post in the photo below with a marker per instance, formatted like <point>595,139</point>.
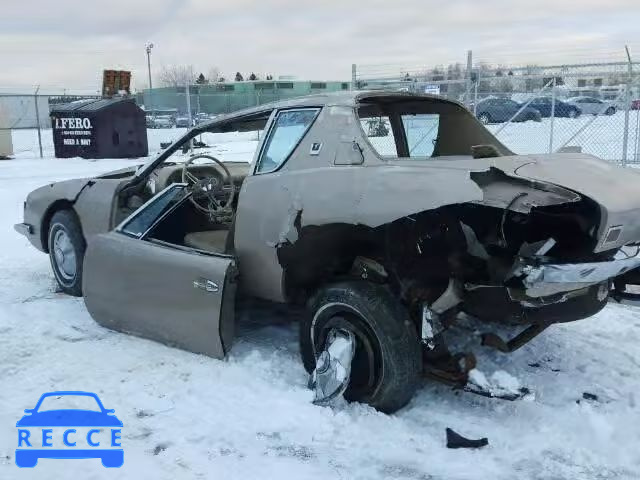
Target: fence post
<point>553,114</point>
<point>35,96</point>
<point>467,93</point>
<point>353,76</point>
<point>475,95</point>
<point>188,95</point>
<point>627,104</point>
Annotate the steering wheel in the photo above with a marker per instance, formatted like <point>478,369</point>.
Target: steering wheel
<point>206,191</point>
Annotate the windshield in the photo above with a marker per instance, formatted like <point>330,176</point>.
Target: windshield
<point>69,402</point>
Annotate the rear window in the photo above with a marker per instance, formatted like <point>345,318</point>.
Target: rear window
<point>421,130</point>
<point>379,132</point>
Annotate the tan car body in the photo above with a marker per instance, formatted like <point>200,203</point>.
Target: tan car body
<point>127,281</point>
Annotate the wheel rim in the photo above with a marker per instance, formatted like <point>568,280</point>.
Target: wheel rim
<point>572,113</point>
<point>366,367</point>
<point>484,119</point>
<point>64,255</point>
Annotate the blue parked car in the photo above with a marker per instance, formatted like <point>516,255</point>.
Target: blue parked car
<point>36,441</point>
<point>561,108</point>
<point>498,110</point>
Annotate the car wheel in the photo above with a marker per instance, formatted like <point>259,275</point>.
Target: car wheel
<point>610,111</point>
<point>387,362</point>
<point>484,118</point>
<point>66,251</point>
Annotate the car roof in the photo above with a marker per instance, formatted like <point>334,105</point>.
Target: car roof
<point>348,98</point>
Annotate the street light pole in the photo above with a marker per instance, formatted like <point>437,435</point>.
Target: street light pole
<point>149,47</point>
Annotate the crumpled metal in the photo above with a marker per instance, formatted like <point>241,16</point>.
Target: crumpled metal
<point>580,273</point>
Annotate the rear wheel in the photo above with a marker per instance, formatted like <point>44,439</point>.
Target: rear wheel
<point>387,362</point>
<point>66,251</point>
<point>572,113</point>
<point>610,111</point>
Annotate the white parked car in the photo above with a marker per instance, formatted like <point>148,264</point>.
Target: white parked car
<point>592,105</point>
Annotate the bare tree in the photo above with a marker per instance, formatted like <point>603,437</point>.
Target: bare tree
<point>213,75</point>
<point>177,75</point>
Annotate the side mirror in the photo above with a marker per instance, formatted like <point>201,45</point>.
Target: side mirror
<point>109,411</point>
<point>28,410</point>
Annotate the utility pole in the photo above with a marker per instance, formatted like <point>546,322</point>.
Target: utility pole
<point>148,48</point>
<point>35,97</point>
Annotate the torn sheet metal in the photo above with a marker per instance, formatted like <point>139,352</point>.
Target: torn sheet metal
<point>583,273</point>
<point>431,326</point>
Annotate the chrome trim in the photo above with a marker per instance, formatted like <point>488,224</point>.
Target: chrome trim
<point>207,285</point>
<point>579,273</point>
<point>23,229</point>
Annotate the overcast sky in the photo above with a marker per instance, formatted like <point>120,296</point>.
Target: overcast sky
<point>67,43</point>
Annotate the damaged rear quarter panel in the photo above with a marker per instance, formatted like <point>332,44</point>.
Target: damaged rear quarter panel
<point>272,207</point>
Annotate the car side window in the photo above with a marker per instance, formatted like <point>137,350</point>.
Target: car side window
<point>286,132</point>
<point>148,214</point>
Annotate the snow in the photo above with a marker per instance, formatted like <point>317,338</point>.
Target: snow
<point>251,416</point>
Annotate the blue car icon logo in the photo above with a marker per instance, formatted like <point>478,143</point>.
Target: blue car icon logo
<point>66,425</point>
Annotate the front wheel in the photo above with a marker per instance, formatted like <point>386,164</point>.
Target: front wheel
<point>66,251</point>
<point>387,362</point>
<point>610,111</point>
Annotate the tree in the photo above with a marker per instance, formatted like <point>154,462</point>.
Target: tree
<point>253,76</point>
<point>201,80</point>
<point>531,84</point>
<point>176,75</point>
<point>239,77</point>
<point>213,75</point>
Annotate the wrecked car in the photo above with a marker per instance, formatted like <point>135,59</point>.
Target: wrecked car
<point>385,239</point>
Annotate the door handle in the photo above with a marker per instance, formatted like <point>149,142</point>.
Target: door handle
<point>207,285</point>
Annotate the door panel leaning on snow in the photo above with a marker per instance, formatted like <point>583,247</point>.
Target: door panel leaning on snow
<point>169,293</point>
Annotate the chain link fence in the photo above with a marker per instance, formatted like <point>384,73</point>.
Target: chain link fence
<point>25,124</point>
<point>592,108</point>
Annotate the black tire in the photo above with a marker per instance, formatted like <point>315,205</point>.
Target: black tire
<point>610,111</point>
<point>484,118</point>
<point>387,373</point>
<point>67,222</point>
<point>573,113</point>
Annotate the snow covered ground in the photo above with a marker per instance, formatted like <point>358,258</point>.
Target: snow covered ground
<point>250,416</point>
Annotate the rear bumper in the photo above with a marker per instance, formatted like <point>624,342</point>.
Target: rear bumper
<point>29,458</point>
<point>544,279</point>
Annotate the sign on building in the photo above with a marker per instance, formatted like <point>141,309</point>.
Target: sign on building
<point>433,89</point>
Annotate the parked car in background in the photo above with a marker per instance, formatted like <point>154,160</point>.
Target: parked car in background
<point>561,109</point>
<point>592,105</point>
<point>200,118</point>
<point>498,110</point>
<point>635,104</point>
<point>184,121</point>
<point>160,121</point>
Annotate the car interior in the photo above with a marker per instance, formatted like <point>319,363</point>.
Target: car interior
<point>200,214</point>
